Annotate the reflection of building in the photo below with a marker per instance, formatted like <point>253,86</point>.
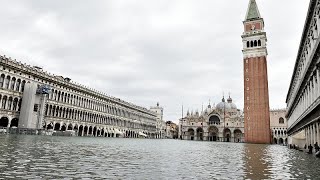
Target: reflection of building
<point>303,98</point>
<point>256,96</point>
<point>171,130</point>
<point>161,124</point>
<point>278,125</point>
<point>68,106</point>
<point>221,123</point>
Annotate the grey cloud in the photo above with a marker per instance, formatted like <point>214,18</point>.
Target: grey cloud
<point>175,52</point>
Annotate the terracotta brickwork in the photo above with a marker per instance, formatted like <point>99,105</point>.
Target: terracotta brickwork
<point>256,101</point>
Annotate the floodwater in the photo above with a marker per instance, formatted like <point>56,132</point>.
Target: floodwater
<point>52,157</point>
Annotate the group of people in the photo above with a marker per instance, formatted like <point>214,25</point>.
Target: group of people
<point>310,148</point>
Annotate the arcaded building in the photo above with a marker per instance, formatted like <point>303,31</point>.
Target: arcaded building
<point>31,98</point>
<point>256,93</point>
<point>223,122</point>
<point>303,98</point>
<point>278,126</point>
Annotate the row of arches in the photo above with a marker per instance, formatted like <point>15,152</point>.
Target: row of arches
<point>10,103</point>
<point>213,134</point>
<point>12,83</point>
<point>279,132</point>
<point>80,115</point>
<point>282,141</point>
<point>6,122</point>
<point>96,131</point>
<point>97,105</point>
<point>254,43</point>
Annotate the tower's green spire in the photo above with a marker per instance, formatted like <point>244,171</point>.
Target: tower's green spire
<point>253,11</point>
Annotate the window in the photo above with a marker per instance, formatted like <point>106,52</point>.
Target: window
<point>281,120</point>
<point>13,81</point>
<point>18,85</point>
<point>6,82</point>
<point>35,108</point>
<point>1,80</point>
<point>4,101</point>
<point>22,85</point>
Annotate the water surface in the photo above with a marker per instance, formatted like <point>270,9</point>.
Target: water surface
<point>35,157</point>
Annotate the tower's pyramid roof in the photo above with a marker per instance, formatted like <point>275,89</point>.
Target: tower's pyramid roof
<point>253,11</point>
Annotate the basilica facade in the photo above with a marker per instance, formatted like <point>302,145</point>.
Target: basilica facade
<point>31,98</point>
<point>223,122</point>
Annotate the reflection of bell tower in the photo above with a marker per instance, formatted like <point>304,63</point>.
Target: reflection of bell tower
<point>256,95</point>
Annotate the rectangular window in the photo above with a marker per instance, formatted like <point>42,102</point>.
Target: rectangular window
<point>35,107</point>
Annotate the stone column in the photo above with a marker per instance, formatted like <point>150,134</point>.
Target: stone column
<point>310,134</point>
<point>314,134</point>
<point>310,94</point>
<point>318,132</point>
<point>82,131</point>
<point>314,88</point>
<point>318,82</point>
<point>306,134</point>
<point>9,122</point>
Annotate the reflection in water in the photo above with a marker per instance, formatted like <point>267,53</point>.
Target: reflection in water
<point>36,157</point>
<point>256,164</point>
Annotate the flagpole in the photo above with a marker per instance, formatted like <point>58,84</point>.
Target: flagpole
<point>181,122</point>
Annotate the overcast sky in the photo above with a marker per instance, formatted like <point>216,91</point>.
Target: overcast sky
<point>147,51</point>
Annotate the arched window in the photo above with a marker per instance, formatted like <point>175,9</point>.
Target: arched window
<point>4,102</point>
<point>255,43</point>
<point>13,81</point>
<point>58,98</point>
<point>6,82</point>
<point>214,120</point>
<point>18,85</point>
<point>19,104</point>
<point>248,44</point>
<point>259,42</point>
<point>281,120</point>
<point>22,85</point>
<point>251,43</point>
<point>15,104</point>
<point>9,103</point>
<point>1,80</point>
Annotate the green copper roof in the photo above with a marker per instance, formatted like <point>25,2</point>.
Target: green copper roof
<point>253,11</point>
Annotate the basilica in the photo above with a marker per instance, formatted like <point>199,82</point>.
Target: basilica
<point>223,122</point>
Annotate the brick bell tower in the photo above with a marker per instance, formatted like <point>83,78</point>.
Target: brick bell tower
<point>256,94</point>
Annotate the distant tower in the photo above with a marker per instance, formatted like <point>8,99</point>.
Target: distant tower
<point>158,110</point>
<point>256,95</point>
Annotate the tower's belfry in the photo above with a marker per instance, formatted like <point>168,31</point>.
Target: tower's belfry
<point>256,94</point>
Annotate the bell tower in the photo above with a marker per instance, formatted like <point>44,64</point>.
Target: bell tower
<point>256,93</point>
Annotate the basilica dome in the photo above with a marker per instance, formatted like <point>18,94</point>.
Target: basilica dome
<point>223,105</point>
<point>232,105</point>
